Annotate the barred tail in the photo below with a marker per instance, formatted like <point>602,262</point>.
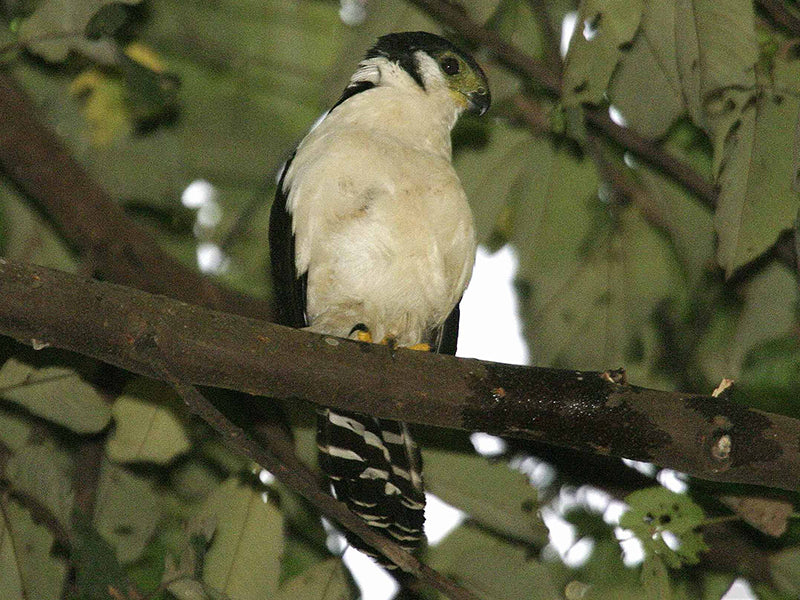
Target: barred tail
<point>376,469</point>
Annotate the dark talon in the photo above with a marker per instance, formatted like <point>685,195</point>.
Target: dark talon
<point>358,327</point>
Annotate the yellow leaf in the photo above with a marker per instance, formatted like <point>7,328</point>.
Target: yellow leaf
<point>104,109</point>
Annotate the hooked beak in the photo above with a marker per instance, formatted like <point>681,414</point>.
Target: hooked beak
<point>479,101</point>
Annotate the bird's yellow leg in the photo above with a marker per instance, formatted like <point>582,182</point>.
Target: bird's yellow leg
<point>421,347</point>
<point>391,341</point>
<point>364,336</point>
<point>362,333</point>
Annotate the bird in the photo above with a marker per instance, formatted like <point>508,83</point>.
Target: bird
<point>372,238</point>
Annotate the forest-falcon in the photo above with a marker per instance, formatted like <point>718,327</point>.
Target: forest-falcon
<point>371,237</point>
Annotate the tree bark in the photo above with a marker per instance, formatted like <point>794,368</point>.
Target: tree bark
<point>711,438</point>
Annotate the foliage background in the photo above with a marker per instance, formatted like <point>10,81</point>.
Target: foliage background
<point>109,489</point>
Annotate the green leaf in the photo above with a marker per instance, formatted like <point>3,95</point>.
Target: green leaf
<point>108,19</point>
<point>595,273</point>
<point>59,26</point>
<point>187,589</point>
<point>605,574</point>
<point>786,570</point>
<point>191,589</point>
<point>244,559</point>
<point>37,472</point>
<point>102,96</point>
<point>299,555</point>
<point>655,578</point>
<point>495,179</point>
<point>189,565</point>
<point>758,156</point>
<point>151,93</point>
<point>770,375</point>
<point>147,425</point>
<point>182,579</point>
<point>327,580</point>
<point>716,50</point>
<point>28,571</point>
<point>592,273</point>
<point>492,568</point>
<point>97,570</point>
<point>15,430</point>
<point>126,512</point>
<point>646,87</point>
<point>26,236</point>
<point>193,479</point>
<point>603,26</point>
<point>688,222</point>
<point>766,311</point>
<point>716,584</point>
<point>515,23</point>
<point>492,494</point>
<point>657,511</point>
<point>306,545</point>
<point>55,393</point>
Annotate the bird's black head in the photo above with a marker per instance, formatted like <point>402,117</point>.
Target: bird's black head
<point>463,75</point>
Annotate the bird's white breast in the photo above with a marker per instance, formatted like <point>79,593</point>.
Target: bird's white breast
<point>381,222</point>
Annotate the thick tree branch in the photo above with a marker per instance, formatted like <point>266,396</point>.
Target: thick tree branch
<point>707,437</point>
<point>110,243</point>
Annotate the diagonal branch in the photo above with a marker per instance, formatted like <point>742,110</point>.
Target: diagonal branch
<point>295,475</point>
<point>710,438</point>
<point>782,15</point>
<point>456,18</point>
<point>110,243</point>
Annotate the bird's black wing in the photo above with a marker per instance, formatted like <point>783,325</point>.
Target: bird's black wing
<point>289,289</point>
<point>447,337</point>
<point>288,286</point>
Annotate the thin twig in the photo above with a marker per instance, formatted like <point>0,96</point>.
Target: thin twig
<point>456,19</point>
<point>552,41</point>
<point>301,480</point>
<point>533,114</point>
<point>652,153</point>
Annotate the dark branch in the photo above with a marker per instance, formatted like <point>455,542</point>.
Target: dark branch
<point>652,153</point>
<point>780,13</point>
<point>707,437</point>
<point>109,243</point>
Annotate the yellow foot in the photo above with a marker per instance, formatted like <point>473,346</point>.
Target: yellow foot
<point>362,333</point>
<point>364,336</point>
<point>420,347</point>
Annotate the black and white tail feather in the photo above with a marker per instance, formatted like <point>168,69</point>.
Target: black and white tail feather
<point>375,467</point>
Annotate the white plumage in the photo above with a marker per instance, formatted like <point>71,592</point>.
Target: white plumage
<point>381,222</point>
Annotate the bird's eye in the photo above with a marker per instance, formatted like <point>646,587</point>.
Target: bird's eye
<point>450,65</point>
